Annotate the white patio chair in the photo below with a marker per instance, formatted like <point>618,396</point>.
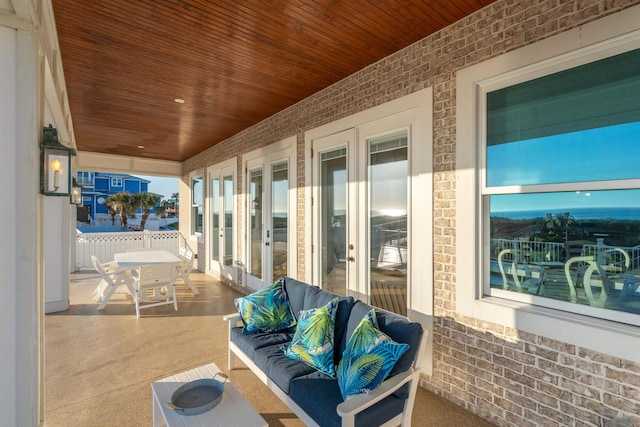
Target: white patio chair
<point>154,285</point>
<point>184,269</point>
<point>112,277</point>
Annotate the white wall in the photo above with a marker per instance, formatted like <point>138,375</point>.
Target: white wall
<point>56,253</point>
<point>20,324</point>
<point>9,237</point>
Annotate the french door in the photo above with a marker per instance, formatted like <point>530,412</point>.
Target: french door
<point>361,209</point>
<point>269,201</point>
<point>334,207</point>
<point>222,221</point>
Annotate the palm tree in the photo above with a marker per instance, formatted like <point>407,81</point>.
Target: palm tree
<point>176,197</point>
<point>123,203</point>
<point>162,208</point>
<point>111,206</point>
<point>146,201</point>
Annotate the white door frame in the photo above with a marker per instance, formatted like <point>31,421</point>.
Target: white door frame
<point>266,156</point>
<point>213,267</point>
<point>327,143</point>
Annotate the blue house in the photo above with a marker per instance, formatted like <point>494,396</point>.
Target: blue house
<point>97,186</point>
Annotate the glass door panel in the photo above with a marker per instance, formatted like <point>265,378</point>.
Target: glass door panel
<point>335,245</point>
<point>256,223</point>
<point>279,219</point>
<point>215,219</point>
<point>221,225</point>
<point>387,214</point>
<point>270,252</point>
<point>333,220</point>
<point>227,201</point>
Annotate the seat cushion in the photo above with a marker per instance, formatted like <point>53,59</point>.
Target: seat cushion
<point>368,358</point>
<point>278,367</point>
<point>250,343</point>
<point>267,310</point>
<point>319,396</point>
<point>313,341</point>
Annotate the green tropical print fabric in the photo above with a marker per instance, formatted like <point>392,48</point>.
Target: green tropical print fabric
<point>266,310</point>
<point>312,342</point>
<point>368,358</point>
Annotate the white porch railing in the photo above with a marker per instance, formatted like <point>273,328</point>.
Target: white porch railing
<point>105,245</point>
<point>558,252</point>
<point>537,251</point>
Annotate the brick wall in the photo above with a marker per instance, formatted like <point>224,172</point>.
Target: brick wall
<point>504,375</point>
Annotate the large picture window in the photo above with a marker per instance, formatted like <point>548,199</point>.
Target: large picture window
<point>560,189</point>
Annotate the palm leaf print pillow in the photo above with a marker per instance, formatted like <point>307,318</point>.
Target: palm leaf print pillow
<point>312,342</point>
<point>368,358</point>
<point>266,310</point>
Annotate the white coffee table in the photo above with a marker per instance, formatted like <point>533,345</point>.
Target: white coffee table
<point>233,410</point>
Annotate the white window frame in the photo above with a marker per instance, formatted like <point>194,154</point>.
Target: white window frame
<point>606,37</point>
<point>198,174</point>
<point>84,178</point>
<point>115,180</point>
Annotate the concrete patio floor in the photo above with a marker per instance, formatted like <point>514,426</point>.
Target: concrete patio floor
<point>99,365</point>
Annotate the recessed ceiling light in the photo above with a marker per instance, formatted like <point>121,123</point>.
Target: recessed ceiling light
<point>179,100</point>
<point>140,146</point>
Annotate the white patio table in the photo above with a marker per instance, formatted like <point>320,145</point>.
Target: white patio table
<point>233,411</point>
<point>140,258</point>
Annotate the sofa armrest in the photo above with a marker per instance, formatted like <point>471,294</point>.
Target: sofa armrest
<point>234,319</point>
<point>231,317</point>
<point>360,402</point>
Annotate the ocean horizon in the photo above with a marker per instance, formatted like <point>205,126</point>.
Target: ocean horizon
<point>620,213</point>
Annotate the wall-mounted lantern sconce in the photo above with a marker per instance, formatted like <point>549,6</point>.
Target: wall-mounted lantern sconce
<point>256,204</point>
<point>55,167</point>
<point>76,193</point>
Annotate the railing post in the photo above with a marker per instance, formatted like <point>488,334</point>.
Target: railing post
<point>600,253</point>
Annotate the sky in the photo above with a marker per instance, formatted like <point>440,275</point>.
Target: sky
<point>162,185</point>
<point>606,153</point>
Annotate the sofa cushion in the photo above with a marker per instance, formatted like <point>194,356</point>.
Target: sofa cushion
<point>326,398</point>
<point>296,292</point>
<point>278,367</point>
<point>250,343</point>
<point>368,358</point>
<point>313,341</point>
<point>266,310</point>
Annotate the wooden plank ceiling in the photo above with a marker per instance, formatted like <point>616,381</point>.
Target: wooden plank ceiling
<point>233,62</point>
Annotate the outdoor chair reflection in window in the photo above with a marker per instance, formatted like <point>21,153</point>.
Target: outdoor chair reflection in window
<point>519,276</point>
<point>594,281</point>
